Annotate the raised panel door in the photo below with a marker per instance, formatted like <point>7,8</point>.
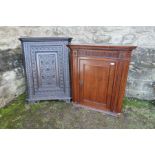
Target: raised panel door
<point>47,71</point>
<point>96,82</point>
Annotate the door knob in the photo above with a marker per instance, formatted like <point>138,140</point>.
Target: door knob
<point>112,63</point>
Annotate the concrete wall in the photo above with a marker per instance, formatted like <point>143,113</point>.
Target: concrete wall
<point>142,68</point>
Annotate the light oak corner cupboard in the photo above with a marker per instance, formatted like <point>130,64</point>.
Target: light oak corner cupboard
<point>99,75</point>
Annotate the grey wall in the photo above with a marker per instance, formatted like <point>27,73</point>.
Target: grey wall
<point>142,68</point>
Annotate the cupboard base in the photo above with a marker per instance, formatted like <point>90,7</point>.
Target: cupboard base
<point>97,110</point>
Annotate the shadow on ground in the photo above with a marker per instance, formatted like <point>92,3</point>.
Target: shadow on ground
<point>57,114</point>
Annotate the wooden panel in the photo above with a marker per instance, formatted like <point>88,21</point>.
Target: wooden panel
<point>120,82</point>
<point>74,76</point>
<point>46,68</point>
<point>96,76</point>
<point>99,75</point>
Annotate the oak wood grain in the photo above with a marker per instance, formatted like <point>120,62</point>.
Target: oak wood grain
<point>99,75</point>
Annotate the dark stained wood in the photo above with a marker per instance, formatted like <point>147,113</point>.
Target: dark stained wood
<point>101,47</point>
<point>99,75</point>
<point>46,63</point>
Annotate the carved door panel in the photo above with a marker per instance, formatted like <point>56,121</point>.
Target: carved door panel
<point>47,70</point>
<point>96,82</point>
<point>46,64</point>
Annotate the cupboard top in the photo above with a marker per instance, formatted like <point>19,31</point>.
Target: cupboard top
<point>114,52</point>
<point>42,39</point>
<point>101,47</point>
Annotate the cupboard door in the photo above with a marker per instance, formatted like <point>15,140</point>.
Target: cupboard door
<point>47,71</point>
<point>96,81</point>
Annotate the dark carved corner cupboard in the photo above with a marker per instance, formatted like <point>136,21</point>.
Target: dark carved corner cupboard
<point>99,75</point>
<point>47,68</point>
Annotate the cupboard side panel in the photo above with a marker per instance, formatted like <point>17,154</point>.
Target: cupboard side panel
<point>74,76</point>
<point>119,86</point>
<point>122,87</point>
<point>110,85</point>
<point>28,71</point>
